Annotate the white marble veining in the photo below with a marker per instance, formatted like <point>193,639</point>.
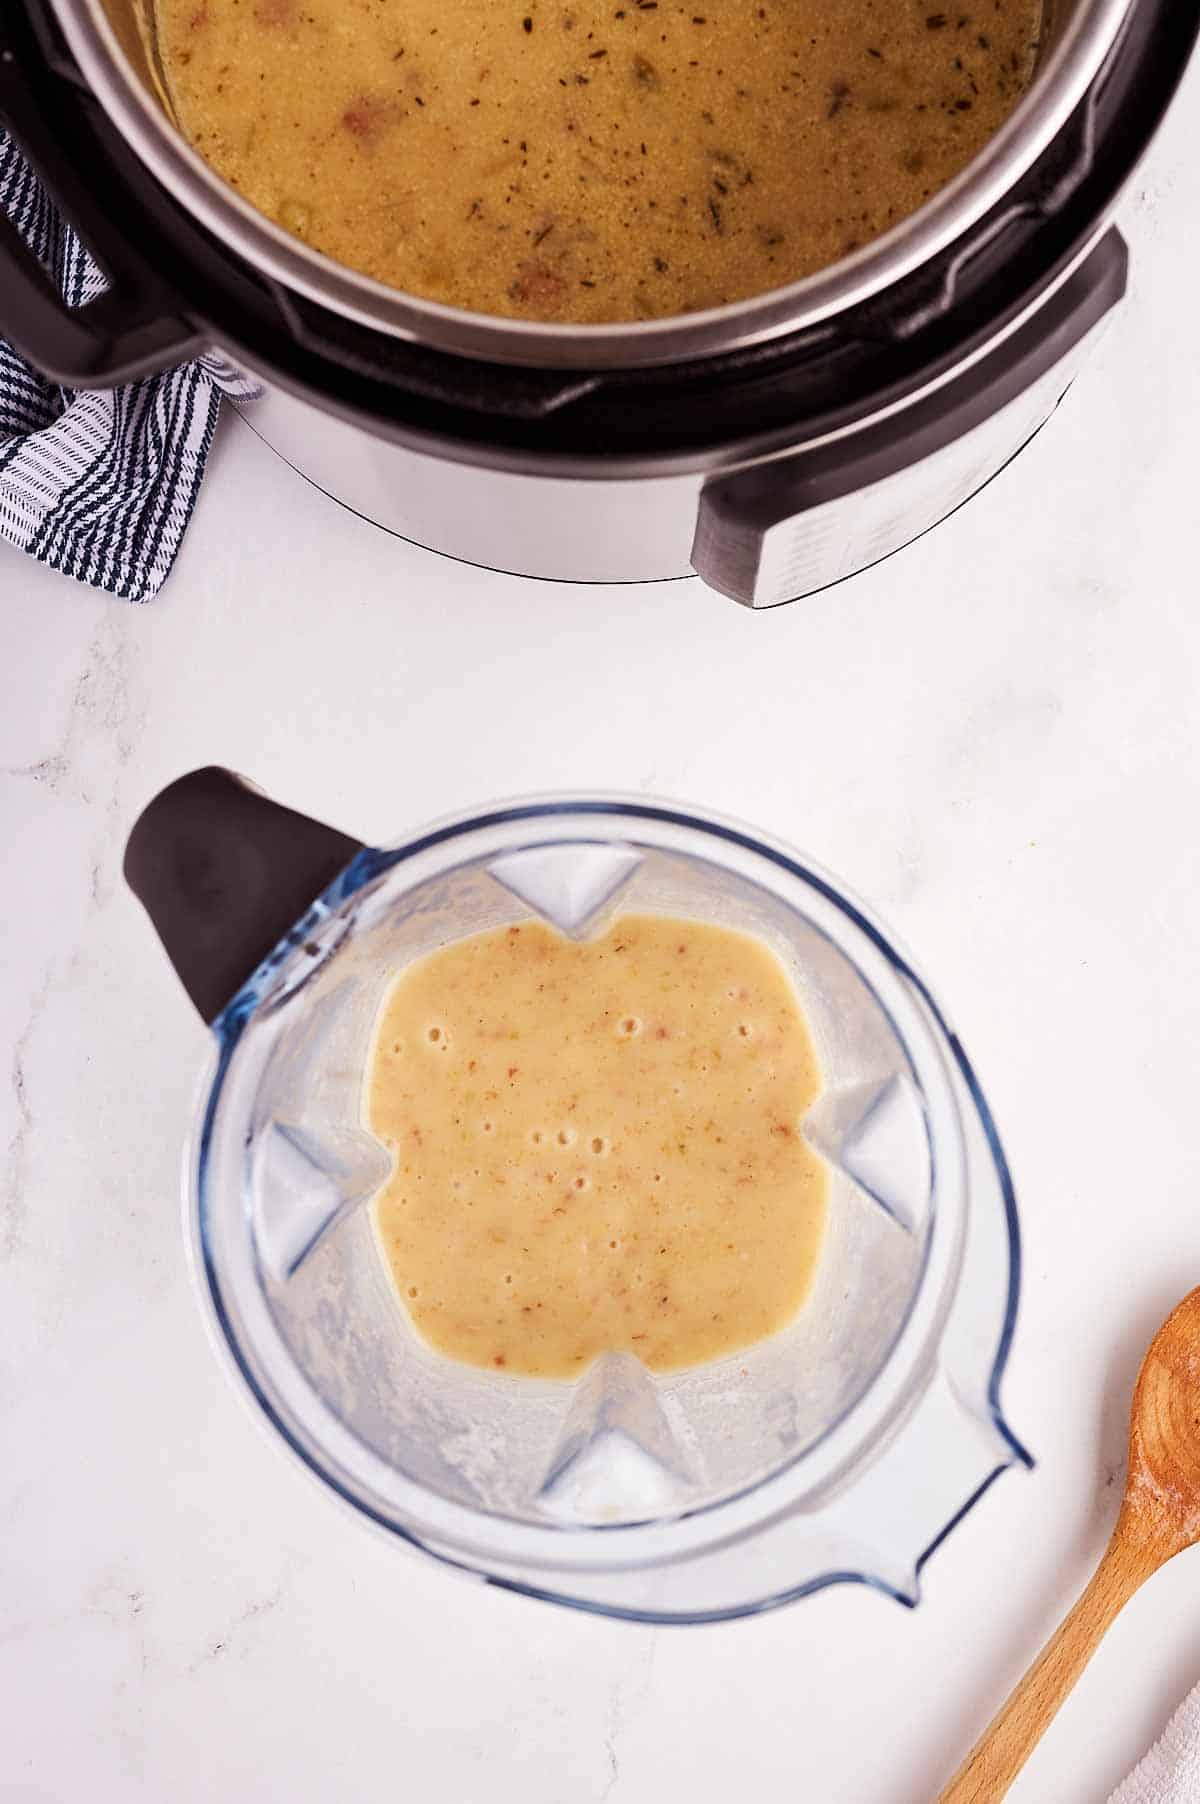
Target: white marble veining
<point>993,737</point>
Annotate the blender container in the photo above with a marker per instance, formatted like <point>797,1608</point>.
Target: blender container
<point>843,1448</point>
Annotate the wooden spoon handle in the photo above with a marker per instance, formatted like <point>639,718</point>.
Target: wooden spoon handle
<point>1015,1731</point>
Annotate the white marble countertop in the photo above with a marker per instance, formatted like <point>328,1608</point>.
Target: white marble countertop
<point>993,738</point>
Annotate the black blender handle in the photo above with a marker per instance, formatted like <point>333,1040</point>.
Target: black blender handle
<point>137,327</point>
<point>224,874</point>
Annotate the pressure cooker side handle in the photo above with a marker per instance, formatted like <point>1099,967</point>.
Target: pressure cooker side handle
<point>119,336</point>
<point>135,328</point>
<point>225,874</point>
<point>765,533</point>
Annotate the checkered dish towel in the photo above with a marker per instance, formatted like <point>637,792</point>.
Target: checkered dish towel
<point>99,484</point>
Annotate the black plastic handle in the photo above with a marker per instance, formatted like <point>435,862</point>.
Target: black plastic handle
<point>224,874</point>
<point>117,337</point>
<point>739,510</point>
<point>137,327</point>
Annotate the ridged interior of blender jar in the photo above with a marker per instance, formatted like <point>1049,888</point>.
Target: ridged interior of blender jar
<point>620,1444</point>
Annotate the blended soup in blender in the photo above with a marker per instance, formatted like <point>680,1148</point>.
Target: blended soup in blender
<point>591,160</point>
<point>597,1145</point>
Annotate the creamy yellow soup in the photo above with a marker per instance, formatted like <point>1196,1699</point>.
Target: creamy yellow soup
<point>597,1145</point>
<point>591,160</point>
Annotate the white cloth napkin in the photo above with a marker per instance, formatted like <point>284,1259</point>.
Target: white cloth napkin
<point>1170,1773</point>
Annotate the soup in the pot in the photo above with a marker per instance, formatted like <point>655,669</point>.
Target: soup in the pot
<point>591,160</point>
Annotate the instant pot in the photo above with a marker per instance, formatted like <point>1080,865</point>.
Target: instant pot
<point>775,445</point>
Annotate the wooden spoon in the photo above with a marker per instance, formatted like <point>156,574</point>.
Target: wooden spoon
<point>1160,1516</point>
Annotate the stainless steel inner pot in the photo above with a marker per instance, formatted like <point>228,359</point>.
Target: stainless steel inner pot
<point>110,38</point>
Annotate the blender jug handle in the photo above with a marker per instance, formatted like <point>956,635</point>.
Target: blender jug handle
<point>224,873</point>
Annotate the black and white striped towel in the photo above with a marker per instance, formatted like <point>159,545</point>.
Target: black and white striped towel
<point>100,484</point>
